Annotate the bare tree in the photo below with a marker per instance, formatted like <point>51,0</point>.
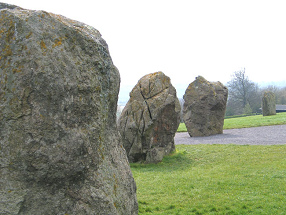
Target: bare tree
<point>242,92</point>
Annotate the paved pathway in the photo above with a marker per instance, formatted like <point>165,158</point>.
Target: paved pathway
<point>266,135</point>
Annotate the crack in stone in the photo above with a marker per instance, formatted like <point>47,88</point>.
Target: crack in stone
<point>148,108</point>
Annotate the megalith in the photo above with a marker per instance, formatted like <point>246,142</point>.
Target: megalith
<point>204,107</point>
<point>268,104</point>
<point>60,150</point>
<point>150,119</point>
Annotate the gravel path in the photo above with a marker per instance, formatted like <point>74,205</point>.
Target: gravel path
<point>266,135</point>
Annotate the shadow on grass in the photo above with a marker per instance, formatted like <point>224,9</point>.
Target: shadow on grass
<point>177,161</point>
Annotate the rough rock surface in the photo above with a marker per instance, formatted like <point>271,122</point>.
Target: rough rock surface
<point>268,104</point>
<point>60,150</point>
<point>150,119</point>
<point>204,107</point>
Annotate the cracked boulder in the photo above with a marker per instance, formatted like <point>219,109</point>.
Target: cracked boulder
<point>60,150</point>
<point>204,107</point>
<point>150,119</point>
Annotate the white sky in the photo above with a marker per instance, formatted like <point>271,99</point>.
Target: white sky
<point>184,38</point>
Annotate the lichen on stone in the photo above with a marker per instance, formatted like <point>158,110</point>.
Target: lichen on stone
<point>150,119</point>
<point>60,149</point>
<point>204,107</point>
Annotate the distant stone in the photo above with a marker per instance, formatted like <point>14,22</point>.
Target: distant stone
<point>150,119</point>
<point>269,104</point>
<point>60,150</point>
<point>204,107</point>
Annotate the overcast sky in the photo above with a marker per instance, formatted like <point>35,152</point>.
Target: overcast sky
<point>184,38</point>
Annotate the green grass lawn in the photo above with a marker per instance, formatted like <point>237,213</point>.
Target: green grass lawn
<point>248,121</point>
<point>214,179</point>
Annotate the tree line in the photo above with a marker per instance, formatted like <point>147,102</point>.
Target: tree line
<point>245,96</point>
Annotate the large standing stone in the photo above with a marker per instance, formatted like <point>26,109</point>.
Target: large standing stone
<point>204,107</point>
<point>150,119</point>
<point>268,104</point>
<point>60,150</point>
